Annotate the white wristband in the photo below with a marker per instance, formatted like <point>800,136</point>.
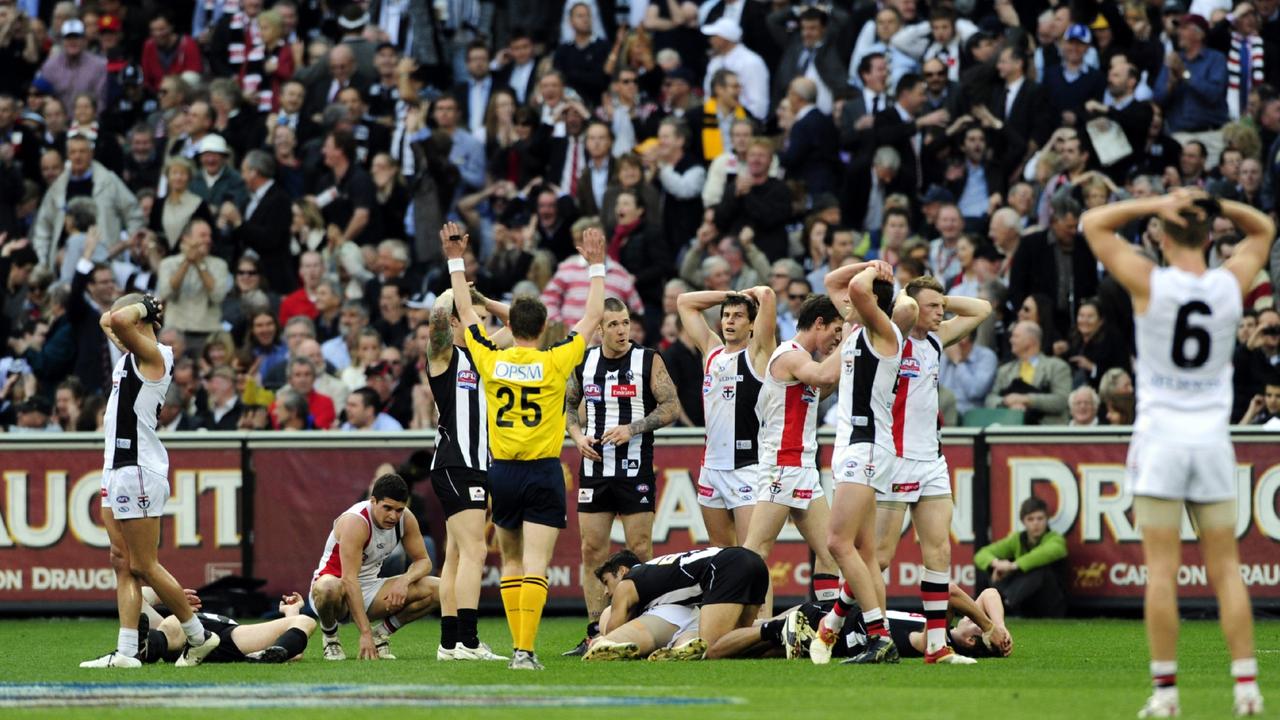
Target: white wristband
<point>457,265</point>
<point>596,271</point>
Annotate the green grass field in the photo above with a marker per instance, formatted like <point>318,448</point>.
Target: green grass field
<point>1090,669</point>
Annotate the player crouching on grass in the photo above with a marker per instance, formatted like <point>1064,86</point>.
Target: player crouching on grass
<point>346,585</point>
<point>274,641</point>
<point>727,585</point>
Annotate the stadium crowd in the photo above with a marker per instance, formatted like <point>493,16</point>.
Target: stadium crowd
<point>277,173</point>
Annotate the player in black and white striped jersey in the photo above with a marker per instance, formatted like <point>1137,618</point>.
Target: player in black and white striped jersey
<point>458,473</point>
<point>135,476</point>
<point>628,395</point>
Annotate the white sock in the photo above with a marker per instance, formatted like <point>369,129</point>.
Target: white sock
<point>833,621</point>
<point>1164,676</point>
<point>127,642</point>
<point>194,630</point>
<point>1245,672</point>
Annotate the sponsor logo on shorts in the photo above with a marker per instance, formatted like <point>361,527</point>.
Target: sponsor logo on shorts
<point>516,372</point>
<point>906,487</point>
<point>477,494</point>
<point>775,487</point>
<point>745,490</point>
<point>122,509</point>
<point>642,488</point>
<point>909,368</point>
<point>468,380</point>
<point>585,495</point>
<point>799,494</point>
<point>705,491</point>
<point>850,467</point>
<point>592,392</point>
<point>144,502</point>
<point>624,391</point>
<point>869,470</point>
<point>123,499</point>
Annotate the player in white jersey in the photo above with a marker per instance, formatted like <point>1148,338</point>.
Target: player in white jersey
<point>733,367</point>
<point>1181,454</point>
<point>868,373</point>
<point>346,585</point>
<point>135,476</point>
<point>912,473</point>
<point>789,485</point>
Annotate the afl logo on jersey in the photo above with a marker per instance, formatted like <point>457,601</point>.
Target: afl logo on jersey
<point>592,392</point>
<point>468,380</point>
<point>910,368</point>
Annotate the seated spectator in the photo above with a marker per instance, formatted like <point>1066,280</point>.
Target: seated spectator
<point>180,204</point>
<point>1031,382</point>
<point>302,379</point>
<point>1082,403</point>
<point>1029,567</point>
<point>1265,409</point>
<point>262,343</point>
<point>223,408</point>
<point>192,285</point>
<point>968,371</point>
<point>1257,360</point>
<point>1117,394</point>
<point>1095,348</point>
<point>367,351</point>
<point>363,413</point>
<point>339,350</point>
<point>290,411</point>
<point>394,397</point>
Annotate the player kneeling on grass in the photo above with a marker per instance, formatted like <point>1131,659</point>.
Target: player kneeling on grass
<point>727,585</point>
<point>346,585</point>
<point>274,641</point>
<point>980,632</point>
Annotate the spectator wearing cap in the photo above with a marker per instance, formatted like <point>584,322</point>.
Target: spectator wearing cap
<point>811,53</point>
<point>725,37</point>
<point>118,209</point>
<point>364,412</point>
<point>75,70</point>
<point>809,140</point>
<point>220,403</point>
<point>111,43</point>
<point>217,182</point>
<point>192,284</point>
<point>1069,83</point>
<point>167,52</point>
<point>1192,87</point>
<point>581,60</point>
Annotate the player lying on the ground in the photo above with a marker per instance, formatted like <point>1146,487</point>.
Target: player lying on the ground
<point>274,641</point>
<point>654,635</point>
<point>346,586</point>
<point>980,632</point>
<point>728,585</point>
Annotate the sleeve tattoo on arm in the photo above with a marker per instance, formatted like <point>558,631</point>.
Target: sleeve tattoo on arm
<point>668,409</point>
<point>573,397</point>
<point>441,334</point>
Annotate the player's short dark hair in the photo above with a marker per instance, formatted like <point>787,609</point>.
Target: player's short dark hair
<point>614,305</point>
<point>924,282</point>
<point>1197,224</point>
<point>527,317</point>
<point>883,290</point>
<point>1031,505</point>
<point>617,561</point>
<point>815,308</point>
<point>734,299</point>
<point>390,487</point>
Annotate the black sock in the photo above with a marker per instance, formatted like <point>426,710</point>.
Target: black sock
<point>593,628</point>
<point>448,631</point>
<point>467,634</point>
<point>157,645</point>
<point>292,640</point>
<point>771,631</point>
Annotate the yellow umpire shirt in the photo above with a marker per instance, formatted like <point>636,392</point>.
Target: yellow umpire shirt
<point>524,388</point>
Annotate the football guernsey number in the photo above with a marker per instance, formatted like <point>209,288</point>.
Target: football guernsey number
<point>530,411</point>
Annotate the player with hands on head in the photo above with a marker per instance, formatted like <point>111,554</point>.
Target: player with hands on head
<point>1181,454</point>
<point>524,388</point>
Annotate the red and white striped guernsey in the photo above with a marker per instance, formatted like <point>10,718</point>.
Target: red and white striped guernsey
<point>788,417</point>
<point>916,423</point>
<point>731,403</point>
<point>377,548</point>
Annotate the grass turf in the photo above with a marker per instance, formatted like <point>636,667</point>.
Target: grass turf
<point>1060,669</point>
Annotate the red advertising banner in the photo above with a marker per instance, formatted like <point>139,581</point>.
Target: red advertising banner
<point>54,549</point>
<point>1082,480</point>
<point>301,490</point>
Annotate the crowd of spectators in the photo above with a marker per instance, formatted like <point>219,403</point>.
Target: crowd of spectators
<point>277,172</point>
